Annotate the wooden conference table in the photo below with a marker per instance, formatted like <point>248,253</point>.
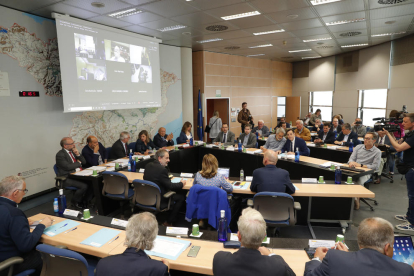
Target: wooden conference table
<point>295,258</point>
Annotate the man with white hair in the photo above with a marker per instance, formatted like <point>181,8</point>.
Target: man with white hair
<point>302,132</point>
<point>275,141</point>
<point>141,231</point>
<point>261,129</point>
<point>15,237</point>
<point>375,240</point>
<point>251,258</point>
<point>120,148</point>
<point>271,178</point>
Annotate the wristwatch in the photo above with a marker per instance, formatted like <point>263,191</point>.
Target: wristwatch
<point>316,259</point>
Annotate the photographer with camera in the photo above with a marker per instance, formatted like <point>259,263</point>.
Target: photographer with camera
<point>406,145</point>
<point>358,128</point>
<point>245,117</point>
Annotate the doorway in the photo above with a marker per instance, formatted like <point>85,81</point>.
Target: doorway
<point>222,105</point>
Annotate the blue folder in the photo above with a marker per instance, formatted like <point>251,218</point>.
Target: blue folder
<point>176,180</point>
<point>101,237</point>
<point>60,227</point>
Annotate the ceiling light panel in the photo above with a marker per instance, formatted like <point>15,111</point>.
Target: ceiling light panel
<point>125,13</point>
<point>269,32</point>
<point>317,39</point>
<point>297,51</point>
<point>387,34</point>
<point>340,22</point>
<point>311,57</point>
<point>172,28</point>
<point>240,15</point>
<point>209,40</point>
<point>255,55</point>
<point>321,2</point>
<point>261,46</point>
<point>355,45</point>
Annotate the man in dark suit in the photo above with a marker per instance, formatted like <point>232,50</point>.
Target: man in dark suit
<point>69,160</point>
<point>283,120</point>
<point>16,240</point>
<point>134,261</point>
<point>161,139</point>
<point>325,135</point>
<point>270,178</point>
<point>336,126</point>
<point>225,136</point>
<point>251,258</point>
<point>347,136</point>
<point>247,138</point>
<point>120,148</point>
<point>293,143</point>
<point>94,152</point>
<point>157,172</point>
<point>375,240</point>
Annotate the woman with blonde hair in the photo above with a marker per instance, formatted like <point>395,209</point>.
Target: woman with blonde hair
<point>208,175</point>
<point>144,143</point>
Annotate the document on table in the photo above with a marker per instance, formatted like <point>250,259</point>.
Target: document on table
<point>176,180</point>
<point>60,227</point>
<point>121,161</point>
<point>101,237</point>
<point>284,156</point>
<point>310,144</point>
<point>112,164</point>
<point>242,186</point>
<point>186,175</point>
<point>99,169</point>
<point>119,222</point>
<point>296,188</point>
<point>84,173</point>
<point>328,164</point>
<point>321,243</point>
<point>177,231</point>
<point>168,248</point>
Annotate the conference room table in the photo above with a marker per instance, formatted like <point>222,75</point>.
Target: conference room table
<point>292,250</point>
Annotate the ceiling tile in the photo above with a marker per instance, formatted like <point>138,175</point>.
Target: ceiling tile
<point>389,29</point>
<point>230,27</point>
<point>282,16</point>
<point>393,11</point>
<point>110,5</point>
<point>245,40</point>
<point>303,24</point>
<point>140,18</point>
<point>211,4</point>
<point>64,9</point>
<point>195,19</point>
<point>250,22</point>
<point>25,5</point>
<point>106,20</point>
<point>344,16</point>
<point>400,20</point>
<point>232,34</point>
<point>267,6</point>
<point>231,10</point>
<point>340,7</point>
<point>159,24</point>
<point>309,32</point>
<point>137,2</point>
<point>353,40</point>
<point>169,8</point>
<point>373,4</point>
<point>348,27</point>
<point>149,32</point>
<point>285,42</point>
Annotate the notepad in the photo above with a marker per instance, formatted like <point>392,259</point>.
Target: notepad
<point>176,180</point>
<point>99,169</point>
<point>84,173</point>
<point>321,243</point>
<point>119,222</point>
<point>242,186</point>
<point>177,231</point>
<point>60,227</point>
<point>168,248</point>
<point>101,237</point>
<point>186,175</point>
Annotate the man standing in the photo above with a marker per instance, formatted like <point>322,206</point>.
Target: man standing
<point>94,152</point>
<point>302,132</point>
<point>275,142</point>
<point>157,172</point>
<point>261,129</point>
<point>270,178</point>
<point>120,148</point>
<point>244,117</point>
<point>15,237</point>
<point>161,139</point>
<point>247,138</point>
<point>406,145</point>
<point>326,135</point>
<point>358,128</point>
<point>251,258</point>
<point>347,136</point>
<point>375,240</point>
<point>225,136</point>
<point>69,160</point>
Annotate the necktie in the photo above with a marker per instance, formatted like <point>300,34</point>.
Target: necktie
<point>73,157</point>
<point>224,138</point>
<point>126,149</point>
<point>291,146</point>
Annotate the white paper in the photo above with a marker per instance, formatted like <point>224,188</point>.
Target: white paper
<point>250,152</point>
<point>121,161</point>
<point>146,157</point>
<point>112,164</point>
<point>71,213</point>
<point>321,243</point>
<point>186,145</point>
<point>296,188</point>
<point>110,169</point>
<point>177,231</point>
<point>230,148</point>
<point>141,170</point>
<point>333,147</point>
<point>249,178</point>
<point>84,173</point>
<point>309,180</point>
<point>186,175</point>
<point>233,237</point>
<point>119,222</point>
<point>4,84</point>
<point>209,146</point>
<point>135,156</point>
<point>310,144</point>
<point>328,164</point>
<point>99,169</point>
<point>199,235</point>
<point>166,247</point>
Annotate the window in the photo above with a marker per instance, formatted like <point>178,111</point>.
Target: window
<point>321,100</point>
<point>281,106</point>
<point>372,104</point>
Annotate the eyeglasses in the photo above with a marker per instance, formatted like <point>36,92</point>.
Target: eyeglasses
<point>24,191</point>
<point>367,138</point>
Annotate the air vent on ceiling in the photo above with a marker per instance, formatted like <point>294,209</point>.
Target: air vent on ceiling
<point>232,48</point>
<point>325,47</point>
<point>390,2</point>
<point>350,34</point>
<point>216,28</point>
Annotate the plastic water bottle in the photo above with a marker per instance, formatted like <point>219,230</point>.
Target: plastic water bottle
<point>191,141</point>
<point>240,146</point>
<point>129,165</point>
<point>297,155</point>
<point>61,202</point>
<point>241,175</point>
<point>55,205</point>
<point>130,155</point>
<point>257,135</point>
<point>222,227</point>
<point>133,166</point>
<point>336,133</point>
<point>351,147</point>
<point>338,175</point>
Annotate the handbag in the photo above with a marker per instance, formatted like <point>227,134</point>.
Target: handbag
<point>208,127</point>
<point>402,168</point>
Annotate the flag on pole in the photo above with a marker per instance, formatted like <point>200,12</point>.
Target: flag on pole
<point>200,118</point>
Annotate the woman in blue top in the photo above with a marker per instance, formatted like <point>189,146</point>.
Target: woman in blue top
<point>208,175</point>
<point>293,142</point>
<point>144,143</point>
<point>185,134</point>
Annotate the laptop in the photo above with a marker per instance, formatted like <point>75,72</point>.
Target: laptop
<point>224,172</point>
<point>403,250</point>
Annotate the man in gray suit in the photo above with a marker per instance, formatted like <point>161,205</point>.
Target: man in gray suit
<point>375,240</point>
<point>247,138</point>
<point>70,160</point>
<point>384,140</point>
<point>225,136</point>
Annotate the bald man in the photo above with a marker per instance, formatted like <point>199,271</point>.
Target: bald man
<point>94,152</point>
<point>161,139</point>
<point>270,178</point>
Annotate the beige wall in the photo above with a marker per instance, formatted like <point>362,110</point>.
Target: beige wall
<point>242,79</point>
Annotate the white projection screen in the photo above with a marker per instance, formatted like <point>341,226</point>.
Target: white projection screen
<point>104,68</point>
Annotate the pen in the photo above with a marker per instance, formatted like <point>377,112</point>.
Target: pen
<point>113,240</point>
<point>70,230</point>
<point>61,226</point>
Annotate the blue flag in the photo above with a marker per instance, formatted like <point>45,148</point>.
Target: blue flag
<point>200,118</point>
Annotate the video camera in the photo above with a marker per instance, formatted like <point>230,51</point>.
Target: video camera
<point>390,124</point>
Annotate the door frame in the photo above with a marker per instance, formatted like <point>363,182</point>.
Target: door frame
<point>217,98</point>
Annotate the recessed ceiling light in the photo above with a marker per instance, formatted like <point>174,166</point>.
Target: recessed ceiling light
<point>240,15</point>
<point>209,40</point>
<point>269,32</point>
<point>387,34</point>
<point>261,46</point>
<point>340,22</point>
<point>296,51</point>
<point>320,2</point>
<point>98,4</point>
<point>188,0</point>
<point>125,13</point>
<point>311,57</point>
<point>292,16</point>
<point>355,45</point>
<point>255,55</point>
<point>317,39</point>
<point>172,28</point>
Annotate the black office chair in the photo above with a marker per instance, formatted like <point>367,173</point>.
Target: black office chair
<point>132,146</point>
<point>9,264</point>
<point>116,187</point>
<point>387,154</point>
<point>365,200</point>
<point>60,181</point>
<point>147,196</point>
